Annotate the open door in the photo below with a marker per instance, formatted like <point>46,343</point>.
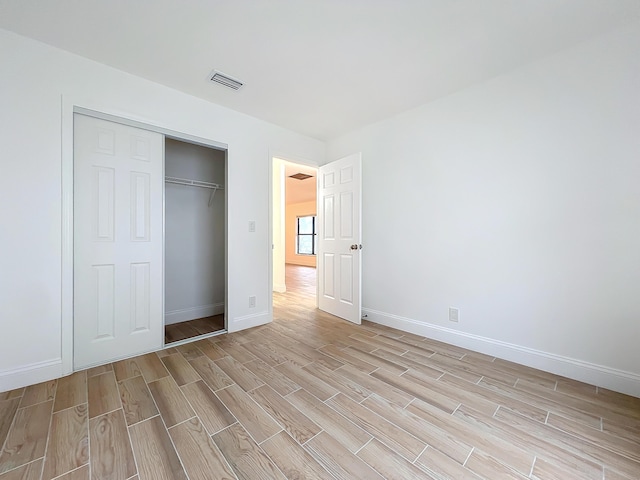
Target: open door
<point>339,237</point>
<point>118,239</point>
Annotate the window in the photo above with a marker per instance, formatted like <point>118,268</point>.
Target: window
<point>306,238</point>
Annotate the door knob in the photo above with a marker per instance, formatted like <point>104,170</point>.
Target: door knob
<point>354,247</point>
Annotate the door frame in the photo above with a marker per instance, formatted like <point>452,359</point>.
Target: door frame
<point>291,159</point>
<point>71,106</point>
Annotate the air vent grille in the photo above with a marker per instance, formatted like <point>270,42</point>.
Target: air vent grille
<point>225,80</point>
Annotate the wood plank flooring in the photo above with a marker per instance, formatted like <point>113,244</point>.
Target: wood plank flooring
<point>311,396</point>
<point>193,328</point>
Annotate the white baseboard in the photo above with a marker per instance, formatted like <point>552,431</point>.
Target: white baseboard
<point>600,375</point>
<point>30,374</point>
<point>249,321</point>
<point>186,314</point>
<point>302,261</point>
<point>279,287</point>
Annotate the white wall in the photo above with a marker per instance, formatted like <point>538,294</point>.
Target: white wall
<point>37,83</point>
<point>278,222</point>
<point>293,211</point>
<point>517,201</point>
<point>194,233</point>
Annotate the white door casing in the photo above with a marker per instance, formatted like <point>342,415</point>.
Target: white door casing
<point>118,241</point>
<point>339,238</point>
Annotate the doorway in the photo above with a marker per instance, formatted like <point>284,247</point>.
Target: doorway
<point>195,238</point>
<point>295,234</point>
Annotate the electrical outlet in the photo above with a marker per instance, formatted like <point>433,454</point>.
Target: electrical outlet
<point>454,314</point>
<point>252,226</point>
<point>252,301</point>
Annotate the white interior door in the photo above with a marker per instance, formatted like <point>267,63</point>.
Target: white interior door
<point>117,274</point>
<point>339,232</point>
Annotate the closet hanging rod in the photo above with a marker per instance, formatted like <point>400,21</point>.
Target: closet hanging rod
<point>193,183</point>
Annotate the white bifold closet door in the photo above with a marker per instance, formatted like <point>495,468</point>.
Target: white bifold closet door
<point>118,238</point>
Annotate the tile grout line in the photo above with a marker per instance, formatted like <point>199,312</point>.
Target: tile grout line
<point>133,453</point>
<point>420,454</point>
<point>24,465</point>
<point>240,423</point>
<point>103,413</point>
<point>13,421</point>
<point>318,461</point>
<point>182,422</point>
<point>389,421</point>
<point>32,405</point>
<point>71,471</point>
<point>468,456</point>
<point>46,448</point>
<point>535,459</point>
<point>258,445</point>
<point>166,431</point>
<point>310,438</point>
<point>365,444</point>
<point>225,428</point>
<point>224,457</point>
<point>331,397</point>
<point>89,426</point>
<point>200,419</point>
<point>104,373</point>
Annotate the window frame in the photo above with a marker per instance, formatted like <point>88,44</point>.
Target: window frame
<point>313,235</point>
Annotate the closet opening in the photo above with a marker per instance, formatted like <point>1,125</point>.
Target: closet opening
<point>195,241</point>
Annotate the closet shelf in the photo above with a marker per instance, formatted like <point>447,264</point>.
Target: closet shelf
<point>196,183</point>
<point>193,183</point>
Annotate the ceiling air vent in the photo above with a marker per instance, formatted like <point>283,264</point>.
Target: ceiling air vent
<point>300,176</point>
<point>225,80</point>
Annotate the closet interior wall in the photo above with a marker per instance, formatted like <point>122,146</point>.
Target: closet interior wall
<point>194,233</point>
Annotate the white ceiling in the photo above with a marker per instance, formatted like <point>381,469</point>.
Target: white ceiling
<point>319,67</point>
<point>298,191</point>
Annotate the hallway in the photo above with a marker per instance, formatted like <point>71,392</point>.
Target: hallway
<point>301,288</point>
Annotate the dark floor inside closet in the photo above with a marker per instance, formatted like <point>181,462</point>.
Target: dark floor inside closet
<point>193,328</point>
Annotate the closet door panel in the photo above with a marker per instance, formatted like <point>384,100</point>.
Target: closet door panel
<point>118,189</point>
<point>103,202</point>
<point>140,299</point>
<point>105,296</point>
<point>140,208</point>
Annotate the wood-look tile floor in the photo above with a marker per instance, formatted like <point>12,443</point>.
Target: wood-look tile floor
<point>193,328</point>
<point>310,396</point>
